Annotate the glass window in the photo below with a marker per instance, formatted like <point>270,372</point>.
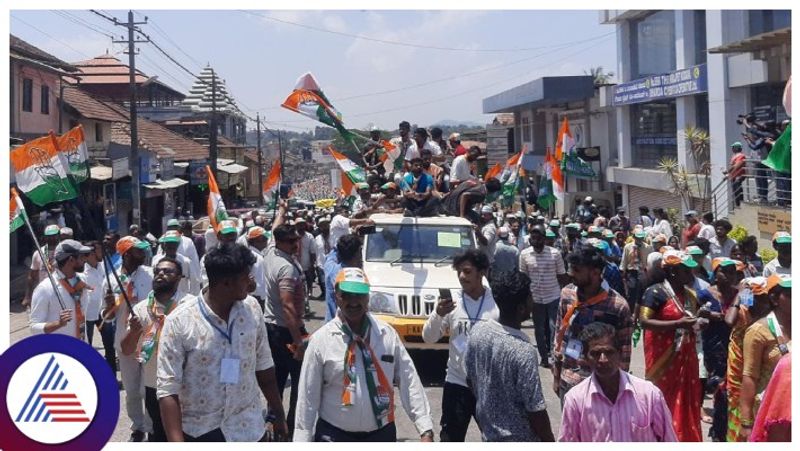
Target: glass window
<point>762,21</point>
<point>654,41</point>
<point>700,54</point>
<point>45,100</point>
<point>98,132</point>
<point>27,95</point>
<point>526,129</point>
<point>653,132</point>
<point>397,243</point>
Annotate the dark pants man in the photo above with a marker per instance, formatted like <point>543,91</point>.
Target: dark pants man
<point>738,192</point>
<point>634,282</point>
<point>285,366</point>
<point>424,208</point>
<point>762,181</point>
<point>544,324</point>
<point>458,406</point>
<point>107,331</point>
<point>783,188</point>
<point>321,281</point>
<point>151,405</point>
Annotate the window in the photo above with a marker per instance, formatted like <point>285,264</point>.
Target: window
<point>526,129</point>
<point>762,21</point>
<point>98,132</point>
<point>653,133</point>
<point>700,54</point>
<point>45,100</point>
<point>27,95</point>
<point>654,44</point>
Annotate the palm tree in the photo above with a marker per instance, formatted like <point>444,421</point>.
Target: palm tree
<point>600,77</point>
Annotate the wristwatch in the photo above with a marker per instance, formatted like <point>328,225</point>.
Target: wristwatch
<point>428,433</point>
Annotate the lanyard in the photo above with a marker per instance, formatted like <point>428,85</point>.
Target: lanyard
<point>480,307</point>
<point>228,336</point>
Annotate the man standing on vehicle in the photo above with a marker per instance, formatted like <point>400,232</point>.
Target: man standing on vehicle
<point>473,303</point>
<point>487,237</point>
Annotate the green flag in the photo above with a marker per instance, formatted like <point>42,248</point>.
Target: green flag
<point>780,157</point>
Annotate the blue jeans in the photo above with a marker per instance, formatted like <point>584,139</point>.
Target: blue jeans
<point>544,325</point>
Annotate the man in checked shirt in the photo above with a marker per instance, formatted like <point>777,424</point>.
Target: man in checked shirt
<point>583,302</point>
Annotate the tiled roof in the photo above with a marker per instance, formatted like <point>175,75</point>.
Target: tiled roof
<point>160,140</point>
<point>112,69</point>
<point>24,49</point>
<point>90,107</point>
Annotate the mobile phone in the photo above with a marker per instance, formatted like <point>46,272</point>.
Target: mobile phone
<point>444,293</point>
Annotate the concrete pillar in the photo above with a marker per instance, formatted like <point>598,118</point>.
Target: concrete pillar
<point>624,72</point>
<point>686,114</point>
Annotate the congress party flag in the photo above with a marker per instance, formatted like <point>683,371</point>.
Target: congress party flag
<point>40,173</point>
<point>72,145</point>
<point>216,207</point>
<point>272,185</point>
<point>17,210</point>
<point>510,176</point>
<point>565,143</point>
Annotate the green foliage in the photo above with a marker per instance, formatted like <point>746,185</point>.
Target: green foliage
<point>738,233</point>
<point>674,217</point>
<point>767,254</point>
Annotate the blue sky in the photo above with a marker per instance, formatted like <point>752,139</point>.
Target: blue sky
<point>260,59</point>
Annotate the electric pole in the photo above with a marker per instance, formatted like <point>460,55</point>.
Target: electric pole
<point>212,136</point>
<point>134,157</point>
<point>258,148</point>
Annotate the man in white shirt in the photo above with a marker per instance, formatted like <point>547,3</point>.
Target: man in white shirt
<point>341,224</point>
<point>346,390</point>
<point>137,282</point>
<point>323,248</point>
<point>257,242</point>
<point>214,360</point>
<point>782,264</point>
<point>460,170</point>
<point>93,275</point>
<point>186,246</point>
<point>307,258</point>
<point>721,245</point>
<point>48,314</point>
<point>707,230</point>
<point>455,316</point>
<point>190,281</point>
<point>38,270</point>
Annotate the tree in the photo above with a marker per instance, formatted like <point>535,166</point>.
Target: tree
<point>600,77</point>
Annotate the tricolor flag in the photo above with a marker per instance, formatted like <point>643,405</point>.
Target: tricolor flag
<point>565,143</point>
<point>40,173</point>
<point>354,173</point>
<point>551,187</point>
<point>216,208</point>
<point>72,145</point>
<point>494,172</point>
<point>510,176</point>
<point>17,210</point>
<point>272,185</point>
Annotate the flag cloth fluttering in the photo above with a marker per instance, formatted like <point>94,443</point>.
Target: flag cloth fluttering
<point>72,145</point>
<point>272,185</point>
<point>510,176</point>
<point>351,173</point>
<point>40,173</point>
<point>551,187</point>
<point>780,157</point>
<point>565,143</point>
<point>494,172</point>
<point>216,208</point>
<point>17,211</point>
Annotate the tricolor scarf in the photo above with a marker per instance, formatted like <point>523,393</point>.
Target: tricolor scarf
<point>76,292</point>
<point>381,394</point>
<point>128,281</point>
<point>149,342</point>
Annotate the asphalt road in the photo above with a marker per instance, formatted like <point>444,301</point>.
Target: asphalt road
<point>430,366</point>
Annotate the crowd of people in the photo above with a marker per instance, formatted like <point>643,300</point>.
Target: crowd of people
<point>209,329</point>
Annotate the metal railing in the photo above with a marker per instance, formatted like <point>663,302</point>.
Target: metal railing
<point>759,186</point>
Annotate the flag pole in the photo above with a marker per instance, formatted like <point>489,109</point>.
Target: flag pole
<point>44,260</point>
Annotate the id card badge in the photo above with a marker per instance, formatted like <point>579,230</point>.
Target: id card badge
<point>229,371</point>
<point>574,349</point>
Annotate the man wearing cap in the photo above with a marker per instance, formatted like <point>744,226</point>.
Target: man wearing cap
<point>187,247</point>
<point>47,314</point>
<point>65,233</point>
<point>614,251</point>
<point>322,249</point>
<point>38,270</point>
<point>736,172</point>
<point>620,221</point>
<point>487,238</point>
<point>460,171</point>
<point>140,233</point>
<point>137,282</point>
<point>668,316</point>
<point>257,242</point>
<point>363,202</point>
<point>455,144</point>
<point>506,256</point>
<point>782,264</point>
<point>654,259</point>
<point>283,311</point>
<point>189,282</point>
<point>692,228</point>
<point>634,267</point>
<point>583,213</point>
<point>351,366</point>
<point>226,233</point>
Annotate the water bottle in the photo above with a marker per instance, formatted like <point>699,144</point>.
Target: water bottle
<point>746,297</point>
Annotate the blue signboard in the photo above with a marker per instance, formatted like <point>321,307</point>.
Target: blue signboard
<point>684,82</point>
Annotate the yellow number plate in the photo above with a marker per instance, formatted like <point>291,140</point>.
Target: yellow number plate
<point>414,329</point>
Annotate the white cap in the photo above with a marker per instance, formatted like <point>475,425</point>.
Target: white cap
<point>588,199</point>
<point>502,232</point>
<point>65,231</point>
<point>486,209</point>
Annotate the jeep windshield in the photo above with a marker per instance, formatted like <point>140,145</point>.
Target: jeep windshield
<point>396,243</point>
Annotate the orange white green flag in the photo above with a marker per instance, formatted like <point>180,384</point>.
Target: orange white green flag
<point>510,175</point>
<point>17,210</point>
<point>565,143</point>
<point>39,172</point>
<point>354,172</point>
<point>72,145</point>
<point>216,207</point>
<point>271,185</point>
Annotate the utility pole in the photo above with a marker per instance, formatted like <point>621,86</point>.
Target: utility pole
<point>258,148</point>
<point>134,157</point>
<point>212,136</point>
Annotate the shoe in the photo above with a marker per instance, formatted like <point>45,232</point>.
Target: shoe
<point>545,364</point>
<point>137,436</point>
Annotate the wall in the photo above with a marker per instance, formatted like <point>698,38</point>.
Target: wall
<point>34,123</point>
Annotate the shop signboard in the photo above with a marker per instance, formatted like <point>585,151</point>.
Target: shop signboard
<point>197,172</point>
<point>119,168</point>
<point>683,82</point>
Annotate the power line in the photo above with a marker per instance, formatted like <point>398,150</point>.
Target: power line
<point>75,20</point>
<point>164,34</point>
<point>405,44</point>
<point>50,36</point>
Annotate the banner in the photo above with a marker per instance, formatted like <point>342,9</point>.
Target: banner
<point>574,166</point>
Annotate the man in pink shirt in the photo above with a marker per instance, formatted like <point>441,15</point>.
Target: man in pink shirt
<point>612,405</point>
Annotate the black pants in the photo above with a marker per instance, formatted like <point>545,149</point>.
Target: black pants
<point>212,436</point>
<point>321,281</point>
<point>151,405</point>
<point>107,331</point>
<point>326,432</point>
<point>309,281</point>
<point>762,180</point>
<point>719,425</point>
<point>635,285</point>
<point>422,208</point>
<point>544,327</point>
<point>285,366</point>
<point>738,192</point>
<point>458,406</point>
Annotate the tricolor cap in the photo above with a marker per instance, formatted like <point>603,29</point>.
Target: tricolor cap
<point>170,236</point>
<point>675,258</point>
<point>584,234</point>
<point>599,244</point>
<point>608,233</point>
<point>737,144</point>
<point>660,238</point>
<point>691,213</point>
<point>66,231</point>
<point>665,249</point>
<point>389,185</point>
<point>694,250</point>
<point>486,209</point>
<point>758,285</point>
<point>782,238</point>
<point>227,226</point>
<point>549,234</point>
<point>362,185</point>
<point>595,229</point>
<point>555,223</point>
<point>640,233</point>
<point>573,225</point>
<point>722,262</point>
<point>255,232</point>
<point>173,223</point>
<point>128,242</point>
<point>779,280</point>
<point>352,280</point>
<point>51,230</point>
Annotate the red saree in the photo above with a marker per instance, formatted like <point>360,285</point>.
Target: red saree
<point>674,371</point>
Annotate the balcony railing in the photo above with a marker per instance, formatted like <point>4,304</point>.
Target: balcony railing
<point>760,186</point>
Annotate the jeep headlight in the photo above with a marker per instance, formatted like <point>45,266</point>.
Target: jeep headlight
<point>382,303</point>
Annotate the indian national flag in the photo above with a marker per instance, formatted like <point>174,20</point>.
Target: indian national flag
<point>40,173</point>
<point>17,210</point>
<point>72,145</point>
<point>494,172</point>
<point>272,185</point>
<point>551,187</point>
<point>216,208</point>
<point>565,143</point>
<point>510,176</point>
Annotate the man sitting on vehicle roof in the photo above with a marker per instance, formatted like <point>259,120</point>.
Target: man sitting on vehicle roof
<point>417,191</point>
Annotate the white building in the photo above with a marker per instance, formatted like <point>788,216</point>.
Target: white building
<point>690,68</point>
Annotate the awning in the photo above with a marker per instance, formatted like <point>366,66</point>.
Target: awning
<point>756,43</point>
<point>166,184</point>
<point>233,168</point>
<point>100,173</point>
<point>539,93</point>
<point>224,162</point>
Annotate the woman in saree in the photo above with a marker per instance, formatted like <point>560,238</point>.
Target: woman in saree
<point>668,317</point>
<point>765,342</point>
<point>774,420</point>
